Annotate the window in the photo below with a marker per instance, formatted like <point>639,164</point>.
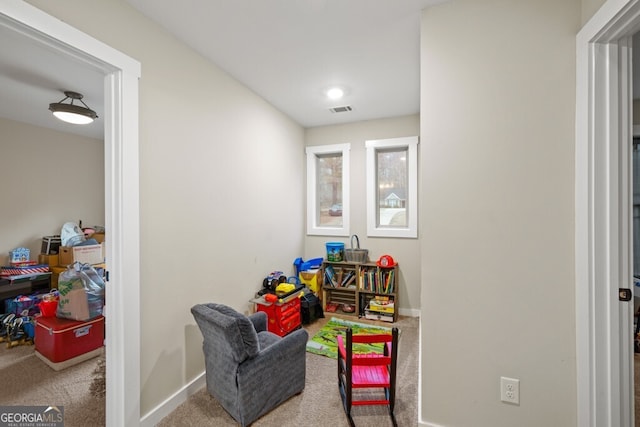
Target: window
<point>392,187</point>
<point>328,190</point>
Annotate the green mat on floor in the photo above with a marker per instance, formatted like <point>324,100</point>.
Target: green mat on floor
<point>324,342</point>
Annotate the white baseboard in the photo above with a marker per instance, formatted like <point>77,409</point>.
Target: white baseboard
<point>156,415</point>
<point>411,312</point>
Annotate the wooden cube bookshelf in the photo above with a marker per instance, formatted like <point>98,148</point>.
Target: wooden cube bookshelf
<point>357,284</point>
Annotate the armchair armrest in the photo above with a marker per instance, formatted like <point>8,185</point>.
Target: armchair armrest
<point>288,348</point>
<point>275,374</point>
<point>259,321</point>
<point>292,345</point>
<point>277,359</point>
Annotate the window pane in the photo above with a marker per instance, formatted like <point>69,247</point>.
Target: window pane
<point>392,178</point>
<point>329,191</point>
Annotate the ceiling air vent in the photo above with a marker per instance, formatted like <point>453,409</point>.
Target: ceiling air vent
<point>344,109</point>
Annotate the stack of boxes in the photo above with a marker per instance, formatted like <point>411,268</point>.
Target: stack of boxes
<point>49,256</point>
<point>61,343</point>
<point>58,257</point>
<point>380,308</point>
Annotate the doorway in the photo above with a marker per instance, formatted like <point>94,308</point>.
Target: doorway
<point>121,196</point>
<point>603,197</point>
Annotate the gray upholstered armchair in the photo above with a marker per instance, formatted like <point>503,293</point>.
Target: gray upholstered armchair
<point>249,370</point>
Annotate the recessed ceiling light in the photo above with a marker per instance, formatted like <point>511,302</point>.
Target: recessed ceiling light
<point>335,93</point>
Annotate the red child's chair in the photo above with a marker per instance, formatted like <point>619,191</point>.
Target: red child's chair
<point>367,371</point>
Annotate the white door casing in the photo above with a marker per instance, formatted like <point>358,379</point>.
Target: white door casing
<point>603,245</point>
<point>122,340</point>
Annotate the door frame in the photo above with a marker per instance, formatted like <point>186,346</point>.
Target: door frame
<point>122,305</point>
<point>603,244</point>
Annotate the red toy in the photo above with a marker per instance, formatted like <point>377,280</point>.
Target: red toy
<point>386,261</point>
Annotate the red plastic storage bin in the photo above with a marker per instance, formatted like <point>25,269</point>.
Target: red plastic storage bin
<point>62,339</point>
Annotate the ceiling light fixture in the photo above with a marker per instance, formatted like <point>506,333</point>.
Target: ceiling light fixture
<point>70,113</point>
<point>335,93</point>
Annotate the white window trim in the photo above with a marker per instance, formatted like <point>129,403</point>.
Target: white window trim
<point>373,229</point>
<point>313,228</point>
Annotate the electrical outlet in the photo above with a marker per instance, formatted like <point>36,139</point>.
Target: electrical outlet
<point>510,390</point>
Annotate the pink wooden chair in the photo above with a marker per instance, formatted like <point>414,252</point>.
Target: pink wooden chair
<point>369,371</point>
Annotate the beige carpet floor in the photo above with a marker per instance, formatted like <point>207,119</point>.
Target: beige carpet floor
<point>27,380</point>
<point>319,404</point>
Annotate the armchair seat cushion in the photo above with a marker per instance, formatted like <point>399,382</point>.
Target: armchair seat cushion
<point>266,338</point>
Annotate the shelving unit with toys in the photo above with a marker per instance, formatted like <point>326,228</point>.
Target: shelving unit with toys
<point>371,290</point>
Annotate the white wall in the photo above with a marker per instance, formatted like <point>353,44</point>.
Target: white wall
<point>221,175</point>
<point>497,219</point>
<point>405,251</point>
<point>48,178</point>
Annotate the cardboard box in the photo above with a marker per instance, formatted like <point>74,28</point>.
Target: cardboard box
<point>98,236</point>
<point>50,260</point>
<point>61,339</point>
<point>55,274</point>
<point>381,306</point>
<point>373,315</point>
<point>90,254</point>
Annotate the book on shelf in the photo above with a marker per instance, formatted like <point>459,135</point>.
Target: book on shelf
<point>330,276</point>
<point>348,279</point>
<point>377,280</point>
<point>367,279</point>
<point>387,279</point>
<point>339,278</point>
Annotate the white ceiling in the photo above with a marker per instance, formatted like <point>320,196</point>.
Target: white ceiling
<point>288,52</point>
